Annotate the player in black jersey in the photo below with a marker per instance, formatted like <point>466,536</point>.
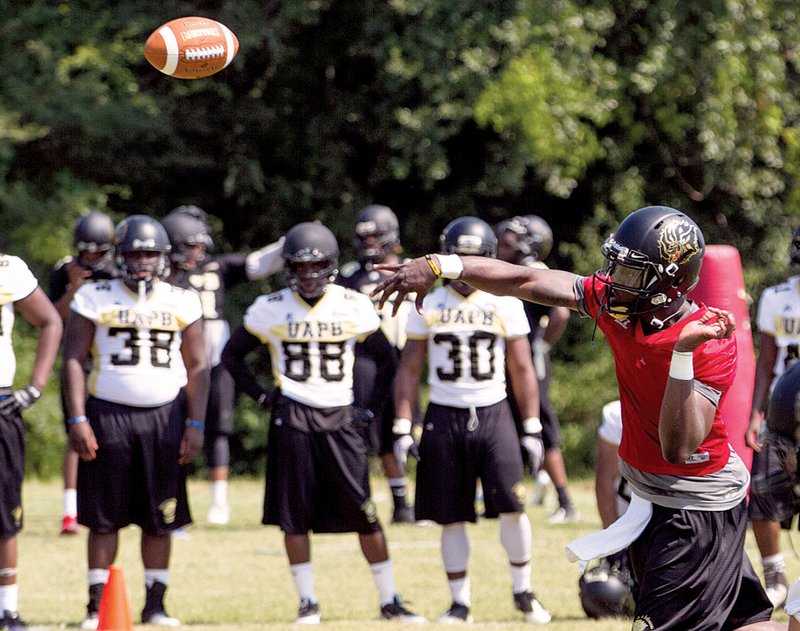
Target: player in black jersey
<point>93,261</point>
<point>211,276</point>
<point>527,240</point>
<point>377,240</point>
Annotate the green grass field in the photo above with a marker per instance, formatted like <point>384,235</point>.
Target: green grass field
<point>236,576</point>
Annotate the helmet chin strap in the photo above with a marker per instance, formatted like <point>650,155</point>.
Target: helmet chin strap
<point>142,292</point>
<point>659,324</point>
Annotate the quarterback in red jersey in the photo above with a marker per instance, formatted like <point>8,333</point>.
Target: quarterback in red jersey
<point>675,361</point>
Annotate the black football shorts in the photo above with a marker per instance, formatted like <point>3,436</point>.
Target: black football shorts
<point>460,446</point>
<point>692,572</point>
<point>136,478</point>
<point>317,479</point>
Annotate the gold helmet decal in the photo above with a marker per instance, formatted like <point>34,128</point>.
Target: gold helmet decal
<point>678,241</point>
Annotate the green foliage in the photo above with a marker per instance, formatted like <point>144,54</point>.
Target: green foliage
<point>574,110</point>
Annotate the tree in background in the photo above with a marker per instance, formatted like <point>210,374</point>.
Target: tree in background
<point>577,111</point>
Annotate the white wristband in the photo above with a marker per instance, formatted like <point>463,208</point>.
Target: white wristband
<point>531,425</point>
<point>450,265</point>
<point>401,426</point>
<point>682,365</point>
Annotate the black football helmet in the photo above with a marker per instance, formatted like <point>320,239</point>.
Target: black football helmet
<point>605,589</point>
<point>140,233</point>
<point>468,235</point>
<point>94,232</point>
<point>652,261</point>
<point>381,223</point>
<point>783,413</point>
<point>310,242</point>
<point>184,230</point>
<point>534,238</point>
<point>191,210</point>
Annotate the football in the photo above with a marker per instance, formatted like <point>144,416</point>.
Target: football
<point>191,47</point>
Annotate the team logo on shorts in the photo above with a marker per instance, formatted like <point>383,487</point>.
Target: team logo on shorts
<point>520,492</point>
<point>642,623</point>
<point>370,511</point>
<point>168,510</point>
<point>16,514</point>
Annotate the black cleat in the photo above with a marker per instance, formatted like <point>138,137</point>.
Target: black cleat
<point>396,611</point>
<point>457,614</point>
<point>307,612</point>
<point>12,622</point>
<point>403,515</point>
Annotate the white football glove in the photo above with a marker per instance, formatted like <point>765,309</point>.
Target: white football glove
<point>540,349</point>
<point>402,446</point>
<point>535,448</point>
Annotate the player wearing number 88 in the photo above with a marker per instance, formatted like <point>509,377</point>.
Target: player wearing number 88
<point>317,467</point>
<point>469,338</point>
<point>129,422</point>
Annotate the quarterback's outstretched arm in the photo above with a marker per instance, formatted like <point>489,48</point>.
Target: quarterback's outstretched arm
<point>545,286</point>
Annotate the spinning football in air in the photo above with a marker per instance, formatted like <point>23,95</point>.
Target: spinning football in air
<point>191,47</point>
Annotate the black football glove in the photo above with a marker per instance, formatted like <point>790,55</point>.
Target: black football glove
<point>19,400</point>
<point>363,416</point>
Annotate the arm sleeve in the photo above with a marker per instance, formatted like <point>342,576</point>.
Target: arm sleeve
<point>268,260</point>
<point>241,343</point>
<point>386,361</point>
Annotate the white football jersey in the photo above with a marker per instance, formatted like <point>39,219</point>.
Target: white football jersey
<point>312,347</point>
<point>779,316</point>
<point>467,344</point>
<point>16,282</point>
<point>136,352</point>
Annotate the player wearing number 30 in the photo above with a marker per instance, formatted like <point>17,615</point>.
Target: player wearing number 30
<point>317,467</point>
<point>470,337</point>
<point>136,428</point>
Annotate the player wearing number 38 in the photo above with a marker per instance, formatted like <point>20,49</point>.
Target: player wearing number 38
<point>140,414</point>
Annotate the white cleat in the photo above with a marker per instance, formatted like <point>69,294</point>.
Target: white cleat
<point>219,514</point>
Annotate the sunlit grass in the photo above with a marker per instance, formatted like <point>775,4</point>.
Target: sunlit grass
<point>236,576</point>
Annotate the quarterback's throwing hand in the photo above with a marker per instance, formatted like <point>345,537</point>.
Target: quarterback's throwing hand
<point>716,324</point>
<point>412,277</point>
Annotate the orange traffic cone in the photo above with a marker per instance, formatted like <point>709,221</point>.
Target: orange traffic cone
<point>115,608</point>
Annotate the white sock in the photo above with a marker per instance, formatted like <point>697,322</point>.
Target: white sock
<point>70,500</point>
<point>219,492</point>
<point>8,597</point>
<point>97,576</point>
<point>455,548</point>
<point>521,578</point>
<point>459,589</point>
<point>303,577</point>
<point>774,562</point>
<point>398,486</point>
<point>384,580</point>
<point>151,576</point>
<point>515,536</point>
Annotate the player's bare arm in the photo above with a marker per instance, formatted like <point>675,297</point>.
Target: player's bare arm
<point>686,416</point>
<point>545,286</point>
<point>765,373</point>
<point>198,381</point>
<point>78,342</point>
<point>37,309</point>
<point>524,384</point>
<point>407,378</point>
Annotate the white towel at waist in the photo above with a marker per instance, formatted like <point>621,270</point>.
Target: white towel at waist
<point>616,537</point>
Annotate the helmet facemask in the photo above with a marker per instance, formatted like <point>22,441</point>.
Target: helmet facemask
<point>136,267</point>
<point>311,276</point>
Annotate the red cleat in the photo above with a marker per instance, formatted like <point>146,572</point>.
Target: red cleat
<point>69,525</point>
